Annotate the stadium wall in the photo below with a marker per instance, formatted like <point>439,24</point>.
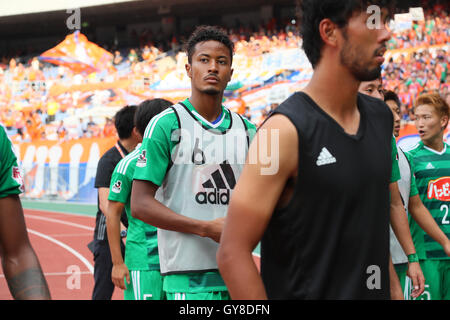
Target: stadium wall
<point>63,171</point>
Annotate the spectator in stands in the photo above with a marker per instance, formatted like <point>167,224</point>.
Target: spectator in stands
<point>93,129</point>
<point>61,131</point>
<point>81,129</point>
<point>133,57</point>
<point>118,59</point>
<point>109,130</point>
<point>404,113</point>
<point>52,107</point>
<point>91,122</point>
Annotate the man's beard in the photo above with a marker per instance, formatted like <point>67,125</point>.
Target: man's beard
<point>352,58</point>
<point>211,91</point>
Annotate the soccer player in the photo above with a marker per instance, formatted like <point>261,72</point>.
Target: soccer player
<point>128,139</point>
<point>430,161</point>
<point>194,152</point>
<point>399,220</point>
<point>20,264</point>
<point>323,216</point>
<point>411,199</point>
<point>141,256</point>
<point>372,88</point>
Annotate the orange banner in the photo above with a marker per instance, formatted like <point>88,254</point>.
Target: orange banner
<point>84,150</point>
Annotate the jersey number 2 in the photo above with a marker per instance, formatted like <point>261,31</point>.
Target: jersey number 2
<point>445,218</point>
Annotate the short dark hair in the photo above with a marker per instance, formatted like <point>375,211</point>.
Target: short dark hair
<point>147,110</point>
<point>311,12</point>
<point>123,121</point>
<point>207,33</point>
<point>391,95</point>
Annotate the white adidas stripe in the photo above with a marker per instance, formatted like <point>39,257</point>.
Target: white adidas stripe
<point>123,164</point>
<point>149,130</point>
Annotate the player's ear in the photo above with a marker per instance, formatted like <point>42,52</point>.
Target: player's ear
<point>137,134</point>
<point>188,69</point>
<point>328,32</point>
<point>444,122</point>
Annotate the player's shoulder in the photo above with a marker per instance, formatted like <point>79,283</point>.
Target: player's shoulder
<point>415,148</point>
<point>127,162</point>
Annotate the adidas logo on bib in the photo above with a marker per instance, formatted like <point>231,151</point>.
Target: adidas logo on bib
<point>325,157</point>
<point>217,189</point>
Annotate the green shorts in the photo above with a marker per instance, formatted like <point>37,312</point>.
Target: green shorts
<point>195,286</point>
<point>219,295</point>
<point>437,279</point>
<point>144,285</point>
<point>401,269</point>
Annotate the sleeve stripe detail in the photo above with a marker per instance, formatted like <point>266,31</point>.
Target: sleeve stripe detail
<point>151,126</point>
<point>123,165</point>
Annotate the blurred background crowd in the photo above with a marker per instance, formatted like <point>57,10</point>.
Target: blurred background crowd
<point>42,100</point>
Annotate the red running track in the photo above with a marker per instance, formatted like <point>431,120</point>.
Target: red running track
<point>60,242</point>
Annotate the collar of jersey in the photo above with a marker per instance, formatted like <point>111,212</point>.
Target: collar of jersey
<point>188,104</point>
<point>434,151</point>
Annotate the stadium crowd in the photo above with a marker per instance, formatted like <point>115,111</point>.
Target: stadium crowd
<point>29,110</point>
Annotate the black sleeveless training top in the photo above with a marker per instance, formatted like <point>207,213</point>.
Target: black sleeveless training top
<point>331,241</point>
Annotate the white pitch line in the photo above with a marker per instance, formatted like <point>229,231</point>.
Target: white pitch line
<point>62,213</point>
<point>59,221</point>
<point>47,274</point>
<point>63,245</point>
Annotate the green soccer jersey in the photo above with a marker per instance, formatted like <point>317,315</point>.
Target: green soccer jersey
<point>432,173</point>
<point>395,173</point>
<point>142,244</point>
<point>10,177</point>
<point>160,140</point>
<point>157,148</point>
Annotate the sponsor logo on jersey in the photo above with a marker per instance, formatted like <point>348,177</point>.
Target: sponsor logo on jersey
<point>217,189</point>
<point>439,189</point>
<point>17,176</point>
<point>142,159</point>
<point>117,187</point>
<point>325,157</point>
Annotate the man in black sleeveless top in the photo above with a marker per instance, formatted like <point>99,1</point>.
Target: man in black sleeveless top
<point>321,206</point>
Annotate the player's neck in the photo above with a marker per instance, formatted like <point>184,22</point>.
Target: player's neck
<point>208,106</point>
<point>129,144</point>
<point>333,89</point>
<point>435,144</point>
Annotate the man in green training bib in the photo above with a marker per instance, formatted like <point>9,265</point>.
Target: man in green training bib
<point>194,152</point>
<point>141,256</point>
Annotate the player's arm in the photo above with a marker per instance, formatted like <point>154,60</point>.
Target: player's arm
<point>20,264</point>
<point>119,270</point>
<point>148,178</point>
<point>400,226</point>
<point>103,199</point>
<point>253,201</point>
<point>424,219</point>
<point>396,289</point>
<point>145,207</point>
